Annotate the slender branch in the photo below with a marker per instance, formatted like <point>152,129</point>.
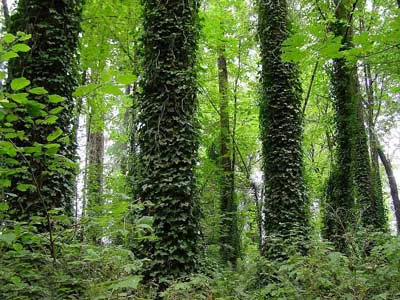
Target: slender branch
<point>310,87</point>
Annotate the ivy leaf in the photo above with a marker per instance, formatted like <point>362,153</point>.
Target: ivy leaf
<point>38,91</point>
<point>54,135</point>
<point>19,83</point>
<point>21,48</point>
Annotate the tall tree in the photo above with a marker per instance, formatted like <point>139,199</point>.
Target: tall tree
<point>51,63</point>
<point>352,186</point>
<point>285,210</point>
<point>229,230</point>
<point>167,136</point>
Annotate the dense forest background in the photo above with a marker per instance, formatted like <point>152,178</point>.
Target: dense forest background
<point>214,149</point>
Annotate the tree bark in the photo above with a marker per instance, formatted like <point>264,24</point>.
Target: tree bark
<point>229,240</point>
<point>51,64</point>
<point>167,138</point>
<point>392,184</point>
<point>285,207</point>
<point>6,13</point>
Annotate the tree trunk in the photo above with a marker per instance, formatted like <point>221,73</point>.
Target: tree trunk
<point>393,185</point>
<point>6,14</point>
<point>373,145</point>
<point>285,205</point>
<point>167,138</point>
<point>229,240</point>
<point>51,64</point>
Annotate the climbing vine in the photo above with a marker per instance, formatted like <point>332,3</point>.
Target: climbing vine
<point>285,207</point>
<point>51,64</point>
<point>167,136</point>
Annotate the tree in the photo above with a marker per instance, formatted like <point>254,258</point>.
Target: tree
<point>285,210</point>
<point>51,64</point>
<point>229,229</point>
<point>352,188</point>
<point>167,137</point>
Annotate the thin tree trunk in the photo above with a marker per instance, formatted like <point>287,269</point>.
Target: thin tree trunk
<point>393,185</point>
<point>376,176</point>
<point>6,13</point>
<point>229,242</point>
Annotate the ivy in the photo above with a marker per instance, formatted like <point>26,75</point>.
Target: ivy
<point>48,65</point>
<point>167,137</point>
<point>286,207</point>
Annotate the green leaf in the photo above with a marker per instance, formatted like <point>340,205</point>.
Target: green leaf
<point>56,110</point>
<point>8,55</point>
<point>20,98</point>
<point>9,38</point>
<point>9,238</point>
<point>125,79</point>
<point>54,135</point>
<point>38,91</point>
<point>4,206</point>
<point>7,148</point>
<point>24,187</point>
<point>19,83</point>
<point>21,48</point>
<point>111,89</point>
<point>56,99</point>
<point>85,90</point>
<point>23,36</point>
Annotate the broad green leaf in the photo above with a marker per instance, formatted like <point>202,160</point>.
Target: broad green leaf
<point>19,83</point>
<point>54,135</point>
<point>23,36</point>
<point>38,91</point>
<point>9,38</point>
<point>111,89</point>
<point>125,79</point>
<point>8,55</point>
<point>56,110</point>
<point>21,48</point>
<point>7,148</point>
<point>56,99</point>
<point>20,98</point>
<point>85,90</point>
<point>24,187</point>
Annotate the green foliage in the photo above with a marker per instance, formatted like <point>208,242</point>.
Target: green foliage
<point>285,206</point>
<point>167,138</point>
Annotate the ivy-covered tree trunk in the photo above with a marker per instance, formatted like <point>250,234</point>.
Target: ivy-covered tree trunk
<point>51,63</point>
<point>286,208</point>
<point>381,219</point>
<point>352,181</point>
<point>229,239</point>
<point>340,206</point>
<point>167,137</point>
